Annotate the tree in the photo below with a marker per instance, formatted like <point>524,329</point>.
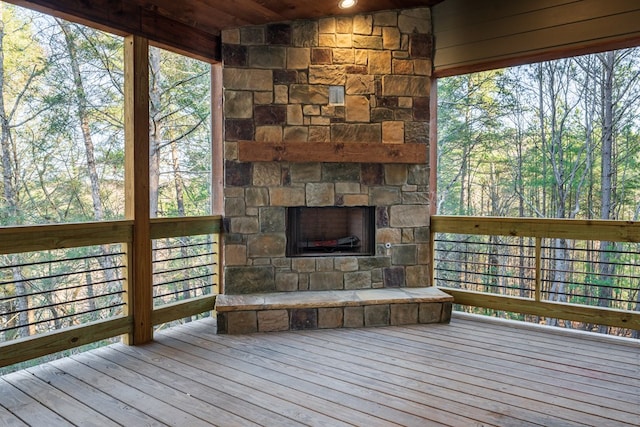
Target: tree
<point>561,143</point>
<point>13,91</point>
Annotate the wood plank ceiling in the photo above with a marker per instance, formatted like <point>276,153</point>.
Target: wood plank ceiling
<point>194,26</point>
<point>214,15</point>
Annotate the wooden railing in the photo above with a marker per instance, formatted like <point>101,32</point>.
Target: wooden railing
<point>551,268</point>
<point>50,337</point>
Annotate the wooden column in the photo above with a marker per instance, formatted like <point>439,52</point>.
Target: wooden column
<point>139,274</point>
<point>217,164</point>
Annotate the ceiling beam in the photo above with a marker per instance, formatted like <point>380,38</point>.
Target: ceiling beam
<point>124,17</point>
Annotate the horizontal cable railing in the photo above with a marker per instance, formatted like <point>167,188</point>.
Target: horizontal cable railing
<point>562,270</point>
<point>184,268</point>
<point>62,286</point>
<point>51,290</point>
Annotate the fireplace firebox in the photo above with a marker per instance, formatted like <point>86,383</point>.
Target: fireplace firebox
<point>330,231</point>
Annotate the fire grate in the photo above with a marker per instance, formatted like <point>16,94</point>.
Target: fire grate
<point>330,231</point>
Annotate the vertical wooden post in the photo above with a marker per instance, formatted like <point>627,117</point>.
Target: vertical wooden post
<point>136,100</point>
<point>433,146</point>
<point>217,163</point>
<point>538,285</point>
<point>217,143</point>
<point>433,173</point>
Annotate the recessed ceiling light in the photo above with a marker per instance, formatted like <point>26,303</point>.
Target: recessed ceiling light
<point>346,4</point>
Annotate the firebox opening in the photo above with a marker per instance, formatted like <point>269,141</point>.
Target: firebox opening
<point>330,231</point>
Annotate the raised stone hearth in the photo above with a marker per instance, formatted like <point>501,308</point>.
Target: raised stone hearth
<point>282,311</point>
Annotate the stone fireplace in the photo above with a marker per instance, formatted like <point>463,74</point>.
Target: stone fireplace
<point>277,81</point>
<point>330,231</point>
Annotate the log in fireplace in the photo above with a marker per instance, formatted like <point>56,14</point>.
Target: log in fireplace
<point>330,231</point>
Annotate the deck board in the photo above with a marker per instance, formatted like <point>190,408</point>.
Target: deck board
<point>350,396</point>
<point>198,382</point>
<point>306,394</point>
<point>467,373</point>
<point>25,408</point>
<point>548,342</point>
<point>58,375</point>
<point>519,394</point>
<point>417,370</point>
<point>427,401</point>
<point>559,352</point>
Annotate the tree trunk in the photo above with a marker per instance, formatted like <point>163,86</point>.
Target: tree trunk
<point>155,133</point>
<point>105,260</point>
<point>11,212</point>
<point>179,187</point>
<point>606,267</point>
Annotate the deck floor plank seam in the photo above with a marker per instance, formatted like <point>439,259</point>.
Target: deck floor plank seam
<point>8,419</point>
<point>577,346</point>
<point>543,333</point>
<point>91,396</point>
<point>194,412</point>
<point>570,383</point>
<point>48,395</point>
<point>110,382</point>
<point>197,399</point>
<point>533,352</point>
<point>235,387</point>
<point>173,373</point>
<point>476,348</point>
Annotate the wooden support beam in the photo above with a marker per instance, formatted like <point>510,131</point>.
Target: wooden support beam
<point>126,17</point>
<point>217,141</point>
<point>337,152</point>
<point>139,268</point>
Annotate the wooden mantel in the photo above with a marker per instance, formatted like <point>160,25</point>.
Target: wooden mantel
<point>332,152</point>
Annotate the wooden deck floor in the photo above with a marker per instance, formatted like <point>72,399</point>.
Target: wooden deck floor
<point>467,373</point>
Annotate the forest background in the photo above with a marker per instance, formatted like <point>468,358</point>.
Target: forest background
<point>62,161</point>
<point>556,139</point>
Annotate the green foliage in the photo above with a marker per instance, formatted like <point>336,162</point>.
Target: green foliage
<point>62,86</point>
<point>530,141</point>
<point>526,141</point>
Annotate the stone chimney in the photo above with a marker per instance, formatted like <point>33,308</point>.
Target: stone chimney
<point>283,84</point>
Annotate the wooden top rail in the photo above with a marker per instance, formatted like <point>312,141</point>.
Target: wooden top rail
<point>604,230</point>
<point>33,238</point>
<point>190,226</point>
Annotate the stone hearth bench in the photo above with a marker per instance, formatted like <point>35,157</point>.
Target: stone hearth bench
<point>282,311</point>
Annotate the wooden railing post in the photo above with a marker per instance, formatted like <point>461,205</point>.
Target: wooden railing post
<point>217,163</point>
<point>139,275</point>
<point>538,278</point>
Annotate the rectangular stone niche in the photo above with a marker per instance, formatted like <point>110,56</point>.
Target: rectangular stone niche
<point>330,231</point>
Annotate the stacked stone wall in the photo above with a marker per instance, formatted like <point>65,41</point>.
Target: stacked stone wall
<point>276,82</point>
